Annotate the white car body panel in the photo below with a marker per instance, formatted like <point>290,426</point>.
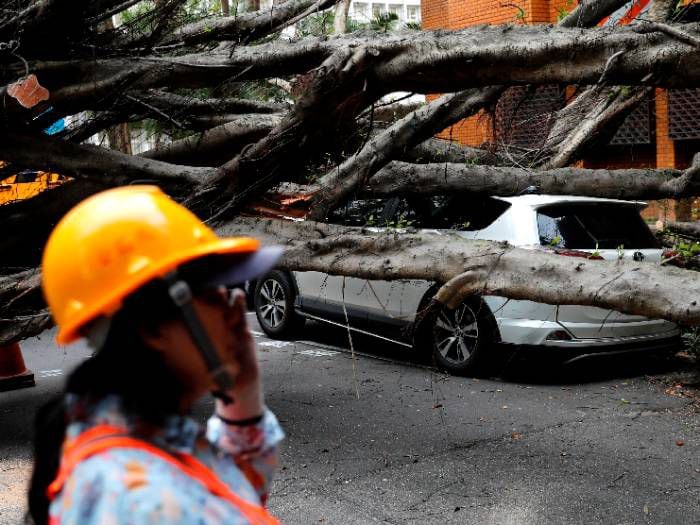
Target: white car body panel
<point>519,322</point>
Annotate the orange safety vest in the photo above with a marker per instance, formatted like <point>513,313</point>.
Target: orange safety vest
<point>104,437</point>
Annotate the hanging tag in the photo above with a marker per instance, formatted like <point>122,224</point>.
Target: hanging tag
<point>28,91</point>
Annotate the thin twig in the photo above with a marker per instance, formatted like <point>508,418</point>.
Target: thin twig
<point>156,110</point>
<point>671,31</point>
<point>608,64</point>
<point>352,346</point>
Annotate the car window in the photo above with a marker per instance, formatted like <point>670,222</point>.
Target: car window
<point>26,176</point>
<point>360,212</point>
<point>459,212</point>
<point>405,212</point>
<point>434,212</point>
<point>588,226</point>
<point>445,212</point>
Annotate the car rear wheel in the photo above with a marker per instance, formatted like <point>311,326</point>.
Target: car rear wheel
<point>461,340</point>
<point>274,306</point>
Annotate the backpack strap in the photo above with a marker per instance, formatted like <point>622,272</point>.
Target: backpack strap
<point>105,437</point>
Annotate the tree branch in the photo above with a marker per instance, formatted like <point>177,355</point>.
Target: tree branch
<point>488,268</point>
<point>218,144</point>
<point>247,27</point>
<point>93,162</point>
<point>401,178</point>
<point>406,133</point>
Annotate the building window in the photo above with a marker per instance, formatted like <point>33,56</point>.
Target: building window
<point>378,10</point>
<point>523,117</point>
<point>360,11</point>
<point>413,12</point>
<point>684,114</point>
<point>636,128</point>
<point>397,9</point>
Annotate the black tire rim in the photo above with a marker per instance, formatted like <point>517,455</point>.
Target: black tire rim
<point>456,334</point>
<point>272,303</point>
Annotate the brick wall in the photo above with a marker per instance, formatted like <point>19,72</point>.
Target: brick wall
<point>475,131</point>
<point>434,14</point>
<point>457,14</point>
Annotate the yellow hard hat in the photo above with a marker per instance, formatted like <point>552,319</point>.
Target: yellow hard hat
<point>114,242</point>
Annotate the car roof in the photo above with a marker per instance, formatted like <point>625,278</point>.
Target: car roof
<point>537,201</point>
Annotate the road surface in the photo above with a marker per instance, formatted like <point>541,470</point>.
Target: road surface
<point>383,438</point>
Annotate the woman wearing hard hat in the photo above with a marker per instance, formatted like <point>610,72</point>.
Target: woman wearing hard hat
<point>145,282</point>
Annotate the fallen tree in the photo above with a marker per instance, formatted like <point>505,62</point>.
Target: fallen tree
<point>313,144</point>
<point>627,184</point>
<point>465,267</point>
<point>686,229</point>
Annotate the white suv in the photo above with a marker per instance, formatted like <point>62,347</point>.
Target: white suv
<point>461,340</point>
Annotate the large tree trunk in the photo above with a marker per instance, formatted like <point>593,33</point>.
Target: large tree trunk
<point>22,309</point>
<point>340,21</point>
<point>218,144</point>
<point>686,229</point>
<point>401,178</point>
<point>120,138</point>
<point>595,114</point>
<point>408,132</point>
<point>93,162</point>
<point>422,62</point>
<point>483,267</point>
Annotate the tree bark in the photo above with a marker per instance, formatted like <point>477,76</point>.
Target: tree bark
<point>408,132</point>
<point>22,309</point>
<point>483,267</point>
<point>686,229</point>
<point>93,162</point>
<point>120,138</point>
<point>218,144</point>
<point>401,178</point>
<point>422,62</point>
<point>247,27</point>
<point>438,150</point>
<point>340,21</point>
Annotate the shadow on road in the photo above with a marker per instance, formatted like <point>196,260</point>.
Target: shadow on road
<point>540,368</point>
<point>516,365</point>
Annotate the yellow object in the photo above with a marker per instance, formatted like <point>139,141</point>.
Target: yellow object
<point>114,242</point>
<point>27,184</point>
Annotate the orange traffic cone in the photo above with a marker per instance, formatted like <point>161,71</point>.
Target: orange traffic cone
<point>13,372</point>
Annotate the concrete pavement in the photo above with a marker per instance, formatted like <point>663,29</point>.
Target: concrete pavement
<point>383,439</point>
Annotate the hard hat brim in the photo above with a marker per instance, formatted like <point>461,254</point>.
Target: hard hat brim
<point>254,265</point>
<point>69,332</point>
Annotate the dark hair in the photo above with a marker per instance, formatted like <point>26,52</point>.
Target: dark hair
<point>124,366</point>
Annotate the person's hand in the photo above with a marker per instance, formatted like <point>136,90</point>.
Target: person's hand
<point>247,389</point>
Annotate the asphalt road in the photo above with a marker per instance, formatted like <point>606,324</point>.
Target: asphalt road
<point>386,439</point>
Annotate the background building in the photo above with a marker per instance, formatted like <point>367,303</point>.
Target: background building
<point>664,132</point>
<point>407,11</point>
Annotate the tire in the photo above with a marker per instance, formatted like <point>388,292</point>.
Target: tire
<point>274,306</point>
<point>461,341</point>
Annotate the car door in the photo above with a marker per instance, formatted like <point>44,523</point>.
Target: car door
<point>341,294</point>
<point>389,303</point>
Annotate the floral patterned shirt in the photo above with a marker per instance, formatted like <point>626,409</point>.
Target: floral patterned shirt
<point>133,487</point>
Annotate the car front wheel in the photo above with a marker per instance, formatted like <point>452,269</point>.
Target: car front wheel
<point>461,340</point>
<point>274,306</point>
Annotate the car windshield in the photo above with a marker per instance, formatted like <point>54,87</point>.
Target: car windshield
<point>589,226</point>
<point>435,212</point>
